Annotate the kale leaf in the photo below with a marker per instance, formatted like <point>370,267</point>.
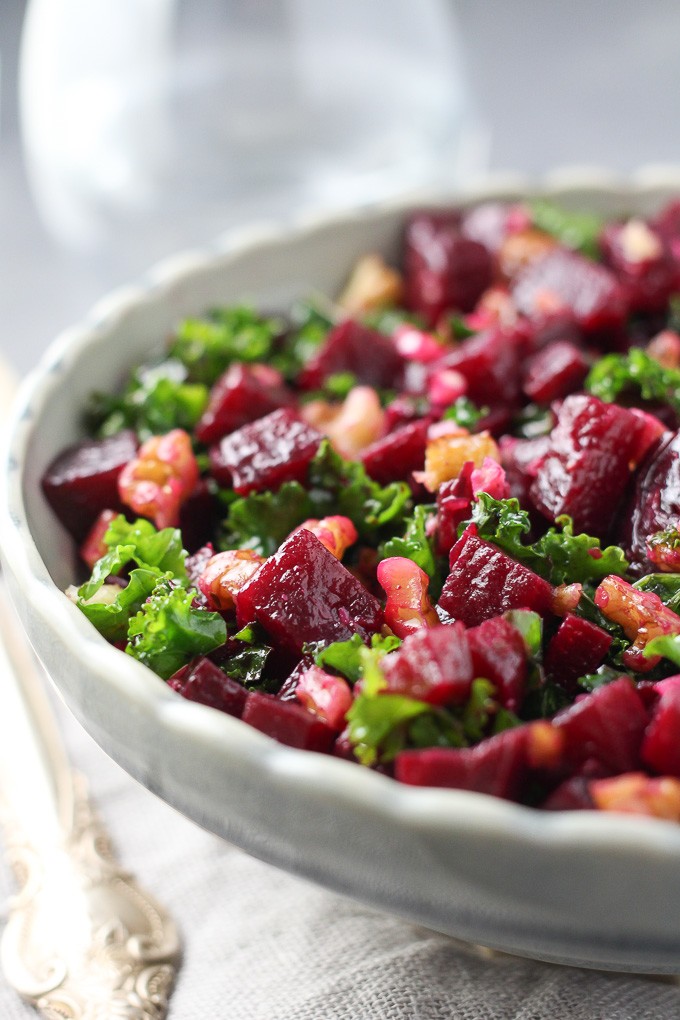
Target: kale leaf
<point>634,372</point>
<point>577,230</point>
<point>207,346</point>
<point>262,520</point>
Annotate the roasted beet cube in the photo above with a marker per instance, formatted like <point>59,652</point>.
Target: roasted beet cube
<point>484,582</point>
<point>661,744</point>
<point>655,501</point>
<point>197,516</point>
<point>555,372</point>
<point>588,464</point>
<point>352,347</point>
<point>577,648</point>
<point>304,594</point>
<point>642,262</point>
<point>492,364</point>
<point>205,682</point>
<point>444,270</point>
<point>520,459</point>
<point>499,765</point>
<point>491,222</point>
<point>454,505</point>
<point>397,454</point>
<point>607,725</point>
<point>499,654</point>
<point>83,480</point>
<point>243,394</point>
<point>288,722</point>
<point>433,664</point>
<point>565,280</point>
<point>262,455</point>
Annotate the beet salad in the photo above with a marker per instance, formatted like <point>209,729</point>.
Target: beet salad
<point>430,525</point>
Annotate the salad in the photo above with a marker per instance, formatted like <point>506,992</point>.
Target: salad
<point>430,525</point>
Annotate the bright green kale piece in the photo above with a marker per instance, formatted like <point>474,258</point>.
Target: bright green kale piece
<point>262,520</point>
<point>207,346</point>
<point>634,373</point>
<point>415,543</point>
<point>464,412</point>
<point>578,230</point>
<point>346,657</point>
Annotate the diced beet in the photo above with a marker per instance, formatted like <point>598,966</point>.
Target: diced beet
<point>243,394</point>
<point>499,654</point>
<point>521,458</point>
<point>401,411</point>
<point>555,372</point>
<point>397,454</point>
<point>608,725</point>
<point>491,222</point>
<point>563,279</point>
<point>265,453</point>
<point>304,594</point>
<point>573,794</point>
<point>433,664</point>
<point>557,327</point>
<point>83,480</point>
<point>577,648</point>
<point>655,501</point>
<point>484,582</point>
<point>205,682</point>
<point>492,364</point>
<point>649,274</point>
<point>287,722</point>
<point>588,464</point>
<point>444,270</point>
<point>197,516</point>
<point>454,505</point>
<point>499,765</point>
<point>352,347</point>
<point>661,744</point>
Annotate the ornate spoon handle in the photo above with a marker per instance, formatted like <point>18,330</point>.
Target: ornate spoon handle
<point>82,940</point>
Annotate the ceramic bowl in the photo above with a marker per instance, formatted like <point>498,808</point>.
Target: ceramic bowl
<point>586,888</point>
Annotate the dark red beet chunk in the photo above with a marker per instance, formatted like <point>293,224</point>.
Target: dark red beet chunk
<point>83,480</point>
<point>661,744</point>
<point>565,280</point>
<point>492,364</point>
<point>608,725</point>
<point>444,270</point>
<point>588,464</point>
<point>398,454</point>
<point>243,394</point>
<point>433,664</point>
<point>205,682</point>
<point>577,648</point>
<point>573,794</point>
<point>491,222</point>
<point>500,655</point>
<point>288,722</point>
<point>262,455</point>
<point>484,582</point>
<point>353,347</point>
<point>454,504</point>
<point>304,594</point>
<point>555,372</point>
<point>197,516</point>
<point>521,458</point>
<point>649,279</point>
<point>655,502</point>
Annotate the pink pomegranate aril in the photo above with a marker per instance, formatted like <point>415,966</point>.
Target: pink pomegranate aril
<point>205,682</point>
<point>304,594</point>
<point>484,582</point>
<point>577,648</point>
<point>352,347</point>
<point>265,453</point>
<point>608,724</point>
<point>243,394</point>
<point>499,654</point>
<point>661,744</point>
<point>433,664</point>
<point>288,722</point>
<point>587,467</point>
<point>555,372</point>
<point>83,480</point>
<point>397,454</point>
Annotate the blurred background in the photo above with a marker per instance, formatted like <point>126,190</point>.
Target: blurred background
<point>132,128</point>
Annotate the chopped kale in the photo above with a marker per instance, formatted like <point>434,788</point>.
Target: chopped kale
<point>465,413</point>
<point>262,520</point>
<point>634,375</point>
<point>577,230</point>
<point>207,346</point>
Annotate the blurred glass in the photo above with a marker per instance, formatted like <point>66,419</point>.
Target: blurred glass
<point>179,118</point>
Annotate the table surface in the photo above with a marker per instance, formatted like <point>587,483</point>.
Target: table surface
<point>262,944</point>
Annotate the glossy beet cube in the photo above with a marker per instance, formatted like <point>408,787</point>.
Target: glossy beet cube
<point>83,480</point>
<point>205,682</point>
<point>288,722</point>
<point>655,501</point>
<point>491,222</point>
<point>492,364</point>
<point>555,372</point>
<point>661,744</point>
<point>454,505</point>
<point>499,654</point>
<point>433,664</point>
<point>499,765</point>
<point>444,270</point>
<point>577,648</point>
<point>588,464</point>
<point>397,454</point>
<point>484,582</point>
<point>243,394</point>
<point>520,459</point>
<point>304,594</point>
<point>644,266</point>
<point>262,455</point>
<point>352,347</point>
<point>565,280</point>
<point>608,725</point>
